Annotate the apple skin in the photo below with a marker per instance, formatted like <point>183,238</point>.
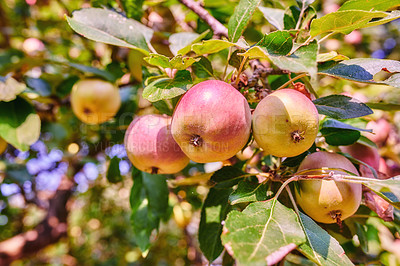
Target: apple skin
<point>323,199</point>
<point>381,129</point>
<point>3,145</point>
<point>150,146</point>
<point>95,101</point>
<point>363,153</point>
<point>285,123</point>
<point>211,122</point>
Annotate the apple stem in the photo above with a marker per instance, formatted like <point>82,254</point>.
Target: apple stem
<point>154,170</point>
<point>196,140</point>
<point>297,136</point>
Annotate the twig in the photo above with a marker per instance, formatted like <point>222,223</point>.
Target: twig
<point>240,70</point>
<point>292,200</point>
<point>216,26</point>
<point>291,80</point>
<point>325,37</point>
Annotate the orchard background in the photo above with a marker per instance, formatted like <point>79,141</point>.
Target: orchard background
<point>69,195</point>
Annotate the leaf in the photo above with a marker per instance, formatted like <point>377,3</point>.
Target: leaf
<point>112,28</point>
<point>261,229</point>
<point>19,123</point>
<point>98,72</point>
<point>384,106</point>
<point>304,3</point>
<point>213,212</point>
<point>167,88</point>
<point>248,191</point>
<point>203,68</point>
<point>341,107</point>
<point>18,173</point>
<point>274,16</point>
<point>158,60</point>
<point>180,63</point>
<point>10,88</point>
<point>181,42</point>
<point>390,17</point>
<point>113,172</point>
<point>41,86</point>
<point>320,247</point>
<point>340,137</point>
<point>149,202</point>
<point>343,21</point>
<point>133,8</point>
<point>211,46</point>
<point>368,5</point>
<point>277,42</point>
<point>302,60</point>
<point>241,16</point>
<point>332,55</point>
<point>332,123</point>
<point>364,70</point>
<point>227,176</point>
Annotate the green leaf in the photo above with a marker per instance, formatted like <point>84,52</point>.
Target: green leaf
<point>98,72</point>
<point>261,229</point>
<point>248,191</point>
<point>302,60</point>
<point>368,5</point>
<point>149,202</point>
<point>10,88</point>
<point>109,27</point>
<point>340,137</point>
<point>274,16</point>
<point>227,176</point>
<point>366,70</point>
<point>113,172</point>
<point>41,86</point>
<point>19,123</point>
<point>390,17</point>
<point>18,173</point>
<point>343,21</point>
<point>332,123</point>
<point>211,46</point>
<point>341,107</point>
<point>320,247</point>
<point>157,193</point>
<point>291,17</point>
<point>180,63</point>
<point>384,106</point>
<point>167,88</point>
<point>331,56</point>
<point>203,68</point>
<point>133,8</point>
<point>361,231</point>
<point>277,42</point>
<point>238,21</point>
<point>158,60</point>
<point>213,212</point>
<point>181,42</point>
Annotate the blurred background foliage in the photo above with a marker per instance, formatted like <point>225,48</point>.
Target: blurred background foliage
<point>39,48</point>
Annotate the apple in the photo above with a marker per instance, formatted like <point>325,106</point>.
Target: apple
<point>364,153</point>
<point>150,146</point>
<point>285,123</point>
<point>381,129</point>
<point>328,201</point>
<point>95,101</point>
<point>211,122</point>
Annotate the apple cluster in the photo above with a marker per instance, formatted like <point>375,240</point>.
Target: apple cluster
<point>213,122</point>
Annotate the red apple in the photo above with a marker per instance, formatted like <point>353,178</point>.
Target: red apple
<point>211,122</point>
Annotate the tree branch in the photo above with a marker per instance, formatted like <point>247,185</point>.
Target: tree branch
<point>216,26</point>
<point>47,232</point>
